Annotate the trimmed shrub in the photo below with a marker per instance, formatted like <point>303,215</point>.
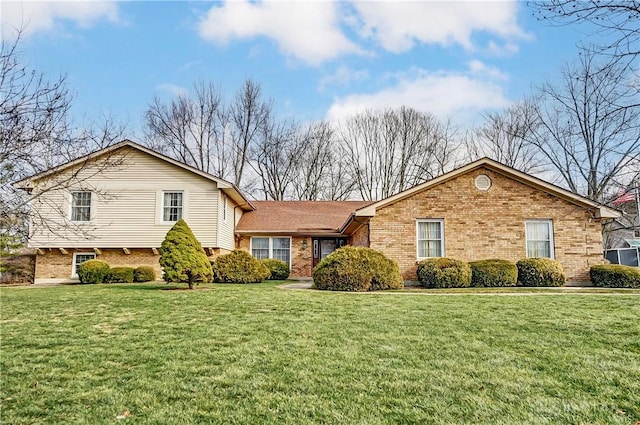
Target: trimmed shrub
<point>144,274</point>
<point>615,276</point>
<point>444,273</point>
<point>357,269</point>
<point>494,272</point>
<point>278,268</point>
<point>540,272</point>
<point>183,258</point>
<point>120,275</point>
<point>239,267</point>
<point>93,271</point>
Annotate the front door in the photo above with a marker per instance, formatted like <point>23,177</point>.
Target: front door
<point>325,246</point>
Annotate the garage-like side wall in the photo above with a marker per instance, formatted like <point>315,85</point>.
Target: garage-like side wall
<point>488,224</point>
<point>301,261</point>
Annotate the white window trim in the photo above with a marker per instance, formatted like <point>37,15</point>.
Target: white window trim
<point>430,220</point>
<point>549,222</point>
<point>92,206</point>
<point>271,246</point>
<point>74,272</point>
<point>160,205</point>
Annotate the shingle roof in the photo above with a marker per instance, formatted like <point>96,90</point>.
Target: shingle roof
<point>303,217</point>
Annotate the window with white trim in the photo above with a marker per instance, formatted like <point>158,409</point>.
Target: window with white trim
<point>80,206</point>
<point>430,238</point>
<point>172,206</point>
<point>272,247</point>
<point>79,258</point>
<point>539,238</point>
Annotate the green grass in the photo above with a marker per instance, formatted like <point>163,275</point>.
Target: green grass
<point>259,354</point>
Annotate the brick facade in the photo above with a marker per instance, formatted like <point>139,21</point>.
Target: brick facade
<point>52,263</point>
<point>488,224</point>
<point>301,254</point>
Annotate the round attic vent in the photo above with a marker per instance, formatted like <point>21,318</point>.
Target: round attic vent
<point>483,182</point>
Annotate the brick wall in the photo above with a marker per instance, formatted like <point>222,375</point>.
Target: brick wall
<point>487,224</point>
<point>54,264</point>
<point>300,254</point>
<point>361,236</point>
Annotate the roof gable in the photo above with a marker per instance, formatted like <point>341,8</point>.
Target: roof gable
<point>600,210</point>
<point>227,187</point>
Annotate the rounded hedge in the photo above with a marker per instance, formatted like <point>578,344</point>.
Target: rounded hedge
<point>144,274</point>
<point>279,269</point>
<point>444,273</point>
<point>615,276</point>
<point>493,272</point>
<point>239,267</point>
<point>540,272</point>
<point>93,271</point>
<point>357,269</point>
<point>120,275</point>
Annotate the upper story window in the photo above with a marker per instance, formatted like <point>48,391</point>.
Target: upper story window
<point>539,234</point>
<point>80,206</point>
<point>430,238</point>
<point>172,206</point>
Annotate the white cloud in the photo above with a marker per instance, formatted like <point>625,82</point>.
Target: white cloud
<point>308,31</point>
<point>397,26</point>
<point>38,16</point>
<point>445,94</point>
<point>342,76</point>
<point>172,89</point>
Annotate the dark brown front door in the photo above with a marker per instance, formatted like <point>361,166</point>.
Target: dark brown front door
<point>325,246</point>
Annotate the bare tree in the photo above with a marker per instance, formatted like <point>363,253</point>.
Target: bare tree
<point>589,126</point>
<point>191,128</point>
<point>617,22</point>
<point>37,133</point>
<point>504,137</point>
<point>249,116</point>
<point>393,150</point>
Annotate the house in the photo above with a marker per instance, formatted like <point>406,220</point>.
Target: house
<point>481,210</point>
<point>117,205</point>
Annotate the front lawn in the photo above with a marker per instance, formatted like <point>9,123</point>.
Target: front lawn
<point>259,354</point>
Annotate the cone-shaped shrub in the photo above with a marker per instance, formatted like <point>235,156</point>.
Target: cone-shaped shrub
<point>353,268</point>
<point>444,273</point>
<point>183,258</point>
<point>239,267</point>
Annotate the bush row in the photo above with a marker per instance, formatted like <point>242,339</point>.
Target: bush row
<point>451,273</point>
<point>98,271</point>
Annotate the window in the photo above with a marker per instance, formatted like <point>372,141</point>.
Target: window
<point>430,238</point>
<point>80,206</point>
<point>539,234</point>
<point>79,258</point>
<point>224,207</point>
<point>172,206</point>
<point>260,248</point>
<point>276,247</point>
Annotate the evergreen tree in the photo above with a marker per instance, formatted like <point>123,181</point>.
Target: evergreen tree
<point>183,258</point>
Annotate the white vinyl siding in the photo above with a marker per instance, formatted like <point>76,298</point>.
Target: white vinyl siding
<point>430,238</point>
<point>173,203</point>
<point>129,211</point>
<point>80,206</point>
<point>539,235</point>
<point>79,258</point>
<point>278,248</point>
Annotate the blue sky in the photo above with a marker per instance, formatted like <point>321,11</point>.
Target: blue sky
<point>316,60</point>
